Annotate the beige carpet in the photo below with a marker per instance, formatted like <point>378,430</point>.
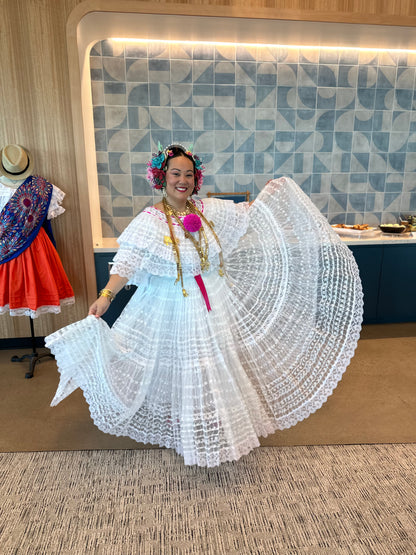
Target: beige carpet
<point>318,500</point>
<point>374,402</point>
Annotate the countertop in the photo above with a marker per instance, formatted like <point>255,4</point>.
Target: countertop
<point>376,238</point>
<point>380,238</point>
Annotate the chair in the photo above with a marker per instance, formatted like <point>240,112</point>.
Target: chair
<point>236,197</point>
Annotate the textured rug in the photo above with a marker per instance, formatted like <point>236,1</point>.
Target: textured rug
<point>331,500</point>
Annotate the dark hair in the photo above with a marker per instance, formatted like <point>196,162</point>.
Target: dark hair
<point>179,150</point>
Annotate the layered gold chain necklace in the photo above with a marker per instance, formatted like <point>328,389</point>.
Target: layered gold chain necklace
<point>201,244</point>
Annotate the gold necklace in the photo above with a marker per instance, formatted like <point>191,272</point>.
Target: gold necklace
<point>201,245</point>
<point>173,210</point>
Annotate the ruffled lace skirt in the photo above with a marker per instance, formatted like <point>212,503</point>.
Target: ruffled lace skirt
<point>283,327</point>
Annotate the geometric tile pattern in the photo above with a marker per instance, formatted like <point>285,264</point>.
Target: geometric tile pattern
<point>341,123</point>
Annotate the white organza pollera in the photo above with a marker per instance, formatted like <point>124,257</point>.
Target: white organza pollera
<point>283,327</point>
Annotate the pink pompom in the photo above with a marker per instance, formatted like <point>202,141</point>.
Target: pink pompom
<point>192,222</point>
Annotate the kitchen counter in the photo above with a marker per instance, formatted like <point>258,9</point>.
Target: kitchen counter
<point>376,238</point>
<point>380,238</point>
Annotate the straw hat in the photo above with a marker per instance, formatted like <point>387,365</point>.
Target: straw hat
<point>16,163</point>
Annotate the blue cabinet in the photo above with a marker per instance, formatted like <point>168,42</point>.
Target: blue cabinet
<point>388,275</point>
<point>397,298</point>
<point>102,260</point>
<point>369,259</point>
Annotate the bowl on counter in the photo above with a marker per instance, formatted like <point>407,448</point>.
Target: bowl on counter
<point>410,223</point>
<point>392,228</point>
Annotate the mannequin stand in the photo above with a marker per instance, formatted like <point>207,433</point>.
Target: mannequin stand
<point>34,357</point>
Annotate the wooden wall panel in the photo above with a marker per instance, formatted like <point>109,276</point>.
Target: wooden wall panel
<point>381,12</point>
<point>36,103</point>
<point>36,112</point>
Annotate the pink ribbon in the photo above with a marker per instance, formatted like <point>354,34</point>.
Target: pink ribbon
<point>201,286</point>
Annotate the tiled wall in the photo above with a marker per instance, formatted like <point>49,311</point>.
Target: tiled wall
<point>340,122</point>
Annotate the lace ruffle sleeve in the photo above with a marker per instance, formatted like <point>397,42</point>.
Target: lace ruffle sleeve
<point>142,250</point>
<point>55,208</point>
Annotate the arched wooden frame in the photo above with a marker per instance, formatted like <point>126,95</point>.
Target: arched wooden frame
<point>95,20</point>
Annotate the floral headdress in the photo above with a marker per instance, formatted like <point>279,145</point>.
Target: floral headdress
<point>156,167</point>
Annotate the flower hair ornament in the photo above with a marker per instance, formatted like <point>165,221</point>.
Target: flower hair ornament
<point>156,166</point>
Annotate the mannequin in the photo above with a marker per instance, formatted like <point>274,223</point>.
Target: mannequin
<point>32,279</point>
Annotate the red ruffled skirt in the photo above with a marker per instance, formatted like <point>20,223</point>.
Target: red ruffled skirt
<point>34,282</point>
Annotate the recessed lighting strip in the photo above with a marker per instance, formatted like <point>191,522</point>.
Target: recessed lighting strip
<point>260,45</point>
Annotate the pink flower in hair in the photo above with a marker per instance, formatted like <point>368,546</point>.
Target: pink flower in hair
<point>199,178</point>
<point>156,176</point>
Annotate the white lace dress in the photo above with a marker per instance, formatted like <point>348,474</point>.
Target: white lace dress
<point>283,327</point>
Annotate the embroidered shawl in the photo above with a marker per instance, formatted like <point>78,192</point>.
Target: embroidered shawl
<point>23,216</point>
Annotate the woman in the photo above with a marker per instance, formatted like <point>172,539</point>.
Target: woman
<point>244,319</point>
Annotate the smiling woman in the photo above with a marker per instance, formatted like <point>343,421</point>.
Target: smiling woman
<point>179,342</point>
<point>179,181</point>
<point>181,177</point>
<point>257,336</point>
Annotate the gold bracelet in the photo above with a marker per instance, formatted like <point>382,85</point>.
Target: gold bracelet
<point>108,294</point>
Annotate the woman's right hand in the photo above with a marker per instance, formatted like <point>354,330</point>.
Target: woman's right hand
<point>99,307</point>
<point>113,286</point>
